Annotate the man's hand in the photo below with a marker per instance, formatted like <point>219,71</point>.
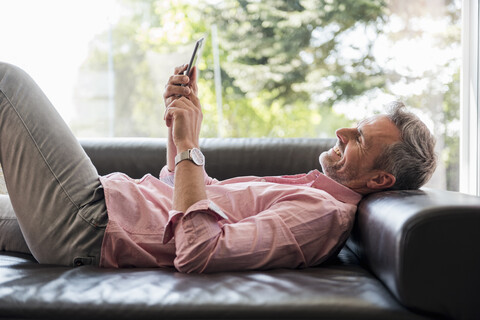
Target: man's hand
<point>183,117</point>
<point>178,86</point>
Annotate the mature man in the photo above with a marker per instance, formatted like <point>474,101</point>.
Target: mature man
<point>186,219</point>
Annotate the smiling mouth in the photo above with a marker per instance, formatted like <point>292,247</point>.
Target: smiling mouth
<point>337,151</point>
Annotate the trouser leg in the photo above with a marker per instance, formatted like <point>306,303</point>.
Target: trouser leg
<point>53,186</point>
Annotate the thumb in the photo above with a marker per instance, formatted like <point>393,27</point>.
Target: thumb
<point>193,80</point>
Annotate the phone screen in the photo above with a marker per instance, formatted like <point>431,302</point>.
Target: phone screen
<point>197,53</point>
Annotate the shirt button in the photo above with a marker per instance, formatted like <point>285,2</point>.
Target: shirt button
<point>137,181</point>
<point>263,180</point>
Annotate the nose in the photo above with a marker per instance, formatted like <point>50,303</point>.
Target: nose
<point>343,135</point>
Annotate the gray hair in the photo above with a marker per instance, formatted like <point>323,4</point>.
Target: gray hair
<point>412,160</point>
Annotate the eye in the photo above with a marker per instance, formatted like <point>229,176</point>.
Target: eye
<point>358,137</point>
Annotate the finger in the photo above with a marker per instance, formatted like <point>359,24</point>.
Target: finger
<point>180,103</point>
<point>167,117</point>
<point>180,69</point>
<point>177,108</point>
<point>193,80</point>
<point>195,102</point>
<point>194,99</point>
<point>171,112</point>
<point>178,80</point>
<point>183,103</point>
<point>193,96</point>
<point>174,91</point>
<point>193,74</point>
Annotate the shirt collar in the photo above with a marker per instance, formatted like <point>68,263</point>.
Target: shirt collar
<point>337,190</point>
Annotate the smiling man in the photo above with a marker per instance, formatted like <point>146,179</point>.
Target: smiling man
<point>351,161</point>
<point>184,218</point>
<point>391,151</point>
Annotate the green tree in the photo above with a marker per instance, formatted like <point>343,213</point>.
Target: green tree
<point>283,63</point>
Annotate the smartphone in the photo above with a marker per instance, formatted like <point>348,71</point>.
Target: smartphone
<point>197,53</point>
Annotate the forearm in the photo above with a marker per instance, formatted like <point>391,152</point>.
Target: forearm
<point>258,242</point>
<point>189,185</point>
<point>171,151</point>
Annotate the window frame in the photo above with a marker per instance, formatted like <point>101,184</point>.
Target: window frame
<point>469,100</point>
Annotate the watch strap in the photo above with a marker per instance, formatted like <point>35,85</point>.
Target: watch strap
<point>184,155</point>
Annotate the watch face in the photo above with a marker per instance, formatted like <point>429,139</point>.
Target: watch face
<point>197,156</point>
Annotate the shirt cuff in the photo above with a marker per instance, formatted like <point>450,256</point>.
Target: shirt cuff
<point>167,176</point>
<point>174,216</point>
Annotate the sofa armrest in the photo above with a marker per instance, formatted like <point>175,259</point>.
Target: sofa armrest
<point>424,246</point>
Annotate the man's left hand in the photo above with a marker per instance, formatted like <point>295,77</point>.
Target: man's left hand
<point>184,116</point>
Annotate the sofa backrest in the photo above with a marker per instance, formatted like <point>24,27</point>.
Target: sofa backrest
<point>225,158</point>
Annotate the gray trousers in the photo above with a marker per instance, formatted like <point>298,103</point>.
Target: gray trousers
<point>53,186</point>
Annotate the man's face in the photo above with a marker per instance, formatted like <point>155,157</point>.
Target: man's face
<point>350,162</point>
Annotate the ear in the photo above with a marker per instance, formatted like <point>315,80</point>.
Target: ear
<point>381,180</point>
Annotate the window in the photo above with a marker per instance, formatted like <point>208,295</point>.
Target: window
<point>469,149</point>
<point>270,68</point>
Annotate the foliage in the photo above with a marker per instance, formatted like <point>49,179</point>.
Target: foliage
<point>283,62</point>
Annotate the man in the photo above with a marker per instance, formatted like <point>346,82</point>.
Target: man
<point>186,219</point>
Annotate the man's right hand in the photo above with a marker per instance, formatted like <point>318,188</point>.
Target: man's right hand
<point>180,85</point>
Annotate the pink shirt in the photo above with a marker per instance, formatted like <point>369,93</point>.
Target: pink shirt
<point>246,223</point>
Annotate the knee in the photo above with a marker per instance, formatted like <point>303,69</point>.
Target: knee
<point>11,75</point>
<point>7,68</point>
<point>10,70</point>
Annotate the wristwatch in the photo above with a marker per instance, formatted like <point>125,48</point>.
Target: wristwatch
<point>194,155</point>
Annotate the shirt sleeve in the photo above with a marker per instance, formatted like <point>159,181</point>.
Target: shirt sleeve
<point>286,235</point>
<point>168,177</point>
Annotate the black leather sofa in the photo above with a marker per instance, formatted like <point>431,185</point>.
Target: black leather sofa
<point>411,255</point>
